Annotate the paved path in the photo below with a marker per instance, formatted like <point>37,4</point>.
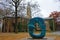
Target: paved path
<point>56,33</point>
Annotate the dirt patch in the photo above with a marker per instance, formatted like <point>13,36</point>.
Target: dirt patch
<point>19,36</point>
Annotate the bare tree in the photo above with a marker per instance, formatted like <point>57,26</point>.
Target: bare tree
<point>16,4</point>
<point>1,13</point>
<point>7,9</point>
<point>16,7</point>
<point>35,9</point>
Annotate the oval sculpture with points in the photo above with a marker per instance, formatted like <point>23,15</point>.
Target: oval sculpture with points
<point>42,26</point>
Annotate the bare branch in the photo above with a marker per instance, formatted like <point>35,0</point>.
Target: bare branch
<point>12,4</point>
<point>19,2</point>
<point>13,1</point>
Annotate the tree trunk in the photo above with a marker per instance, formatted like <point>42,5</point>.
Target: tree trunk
<point>16,28</point>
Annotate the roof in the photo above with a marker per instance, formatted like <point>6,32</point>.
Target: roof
<point>49,18</point>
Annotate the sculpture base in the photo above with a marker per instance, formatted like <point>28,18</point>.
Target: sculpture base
<point>48,38</point>
<point>37,39</point>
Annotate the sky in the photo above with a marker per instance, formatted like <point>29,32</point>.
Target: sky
<point>47,6</point>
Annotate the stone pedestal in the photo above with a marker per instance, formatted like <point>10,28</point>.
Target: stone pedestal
<point>37,39</point>
<point>47,38</point>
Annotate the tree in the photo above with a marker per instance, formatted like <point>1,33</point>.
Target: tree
<point>16,2</point>
<point>1,13</point>
<point>21,10</point>
<point>5,9</point>
<point>35,8</point>
<point>17,7</point>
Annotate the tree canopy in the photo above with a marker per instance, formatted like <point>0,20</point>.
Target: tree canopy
<point>22,8</point>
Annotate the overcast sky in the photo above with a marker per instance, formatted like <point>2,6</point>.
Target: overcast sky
<point>47,6</point>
